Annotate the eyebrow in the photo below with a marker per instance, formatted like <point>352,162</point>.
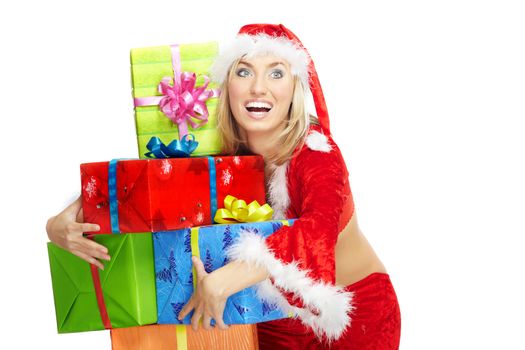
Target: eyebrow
<point>271,65</point>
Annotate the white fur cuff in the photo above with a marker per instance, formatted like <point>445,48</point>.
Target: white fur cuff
<point>332,303</point>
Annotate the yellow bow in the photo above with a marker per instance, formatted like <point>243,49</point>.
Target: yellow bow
<point>236,210</point>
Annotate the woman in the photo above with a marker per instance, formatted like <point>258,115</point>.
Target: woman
<point>321,269</point>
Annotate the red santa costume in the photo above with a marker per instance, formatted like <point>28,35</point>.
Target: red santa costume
<point>313,187</point>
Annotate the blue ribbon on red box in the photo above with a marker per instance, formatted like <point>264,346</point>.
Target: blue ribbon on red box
<point>112,191</point>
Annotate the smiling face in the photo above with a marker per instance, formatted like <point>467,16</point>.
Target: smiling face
<point>260,94</point>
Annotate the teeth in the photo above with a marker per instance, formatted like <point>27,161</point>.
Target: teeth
<point>259,105</point>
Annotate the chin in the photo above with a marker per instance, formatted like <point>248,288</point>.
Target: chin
<point>258,125</point>
<point>260,129</point>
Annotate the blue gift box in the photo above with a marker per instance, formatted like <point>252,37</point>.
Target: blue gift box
<point>174,275</point>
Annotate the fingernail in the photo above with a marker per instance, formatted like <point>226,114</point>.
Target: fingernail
<point>107,257</point>
<point>97,228</point>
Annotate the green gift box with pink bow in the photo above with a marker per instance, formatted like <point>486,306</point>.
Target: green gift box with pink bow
<point>173,96</point>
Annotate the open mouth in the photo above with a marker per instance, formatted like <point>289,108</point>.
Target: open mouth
<point>258,107</point>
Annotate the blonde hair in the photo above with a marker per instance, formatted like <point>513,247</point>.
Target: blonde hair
<point>232,136</point>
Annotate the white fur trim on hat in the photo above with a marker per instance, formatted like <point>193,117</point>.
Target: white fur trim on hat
<point>260,45</point>
<point>332,303</point>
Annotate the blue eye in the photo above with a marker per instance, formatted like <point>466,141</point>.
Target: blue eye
<point>277,74</point>
<point>243,72</point>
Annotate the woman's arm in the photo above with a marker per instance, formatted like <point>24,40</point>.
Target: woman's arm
<point>66,230</point>
<point>300,258</point>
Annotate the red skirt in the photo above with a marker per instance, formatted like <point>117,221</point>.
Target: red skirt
<point>376,322</point>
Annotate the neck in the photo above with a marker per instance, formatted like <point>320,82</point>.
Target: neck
<point>262,144</point>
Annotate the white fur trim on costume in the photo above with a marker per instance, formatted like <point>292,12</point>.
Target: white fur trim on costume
<point>318,142</point>
<point>332,303</point>
<point>260,45</point>
<point>278,197</point>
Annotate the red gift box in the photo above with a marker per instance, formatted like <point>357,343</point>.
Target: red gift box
<point>168,194</point>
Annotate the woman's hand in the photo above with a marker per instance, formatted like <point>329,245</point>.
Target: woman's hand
<point>208,300</point>
<point>65,231</point>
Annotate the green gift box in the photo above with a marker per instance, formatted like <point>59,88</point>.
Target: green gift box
<point>149,66</point>
<point>126,285</point>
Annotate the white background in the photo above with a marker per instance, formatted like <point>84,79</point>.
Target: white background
<point>426,102</point>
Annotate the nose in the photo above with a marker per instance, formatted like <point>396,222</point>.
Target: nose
<point>258,86</point>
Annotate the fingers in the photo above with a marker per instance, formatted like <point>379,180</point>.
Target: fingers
<point>88,242</point>
<point>197,314</point>
<point>89,227</point>
<point>218,311</point>
<point>74,240</point>
<point>73,229</point>
<point>88,250</point>
<point>200,311</point>
<point>217,316</point>
<point>94,249</point>
<point>199,266</point>
<point>220,323</point>
<point>88,258</point>
<point>67,233</point>
<point>79,228</point>
<point>186,309</point>
<point>206,321</point>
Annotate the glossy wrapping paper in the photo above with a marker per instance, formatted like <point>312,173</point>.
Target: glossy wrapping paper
<point>175,276</point>
<point>148,67</point>
<point>127,285</point>
<point>182,337</point>
<point>168,194</point>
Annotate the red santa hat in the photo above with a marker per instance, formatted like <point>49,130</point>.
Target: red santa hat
<point>262,39</point>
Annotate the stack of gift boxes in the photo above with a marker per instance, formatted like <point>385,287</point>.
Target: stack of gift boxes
<point>157,211</point>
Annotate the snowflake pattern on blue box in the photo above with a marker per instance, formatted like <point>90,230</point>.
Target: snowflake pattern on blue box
<point>175,280</point>
<point>268,307</point>
<point>166,274</point>
<point>171,256</point>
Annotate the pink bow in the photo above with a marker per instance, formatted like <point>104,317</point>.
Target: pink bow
<point>182,101</point>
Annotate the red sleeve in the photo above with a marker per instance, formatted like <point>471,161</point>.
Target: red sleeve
<point>321,179</point>
<point>301,258</point>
